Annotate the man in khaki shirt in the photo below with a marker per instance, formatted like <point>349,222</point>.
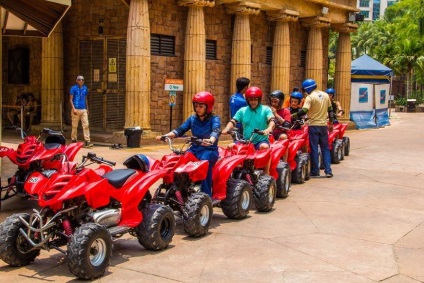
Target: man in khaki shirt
<point>318,106</point>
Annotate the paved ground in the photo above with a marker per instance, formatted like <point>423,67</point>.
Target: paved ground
<point>364,225</point>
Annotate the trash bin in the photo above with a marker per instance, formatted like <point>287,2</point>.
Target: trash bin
<point>411,105</point>
<point>133,136</point>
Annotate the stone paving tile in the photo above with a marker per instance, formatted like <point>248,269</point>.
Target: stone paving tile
<point>371,260</point>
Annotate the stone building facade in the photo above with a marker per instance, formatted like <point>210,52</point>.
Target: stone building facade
<point>95,35</point>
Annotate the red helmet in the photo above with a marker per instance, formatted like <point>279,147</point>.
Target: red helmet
<point>253,92</point>
<point>206,98</point>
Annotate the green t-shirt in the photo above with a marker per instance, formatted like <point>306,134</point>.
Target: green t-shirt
<point>254,119</point>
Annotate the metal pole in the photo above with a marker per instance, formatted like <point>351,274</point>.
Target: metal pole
<point>170,118</point>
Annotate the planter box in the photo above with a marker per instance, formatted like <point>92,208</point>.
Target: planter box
<point>400,108</point>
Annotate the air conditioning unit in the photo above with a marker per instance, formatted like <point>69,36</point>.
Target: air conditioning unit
<point>359,17</point>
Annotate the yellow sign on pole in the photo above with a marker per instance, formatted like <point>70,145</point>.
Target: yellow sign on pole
<point>112,65</point>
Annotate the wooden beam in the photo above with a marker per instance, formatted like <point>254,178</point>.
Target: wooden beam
<point>126,2</point>
<point>5,21</point>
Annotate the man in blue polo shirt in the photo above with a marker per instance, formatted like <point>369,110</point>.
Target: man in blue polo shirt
<point>79,105</point>
<point>237,100</point>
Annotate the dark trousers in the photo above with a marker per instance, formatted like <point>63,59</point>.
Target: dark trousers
<point>318,135</point>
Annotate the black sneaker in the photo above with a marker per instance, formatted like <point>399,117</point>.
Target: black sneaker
<point>73,141</point>
<point>329,175</point>
<point>315,175</point>
<point>88,144</point>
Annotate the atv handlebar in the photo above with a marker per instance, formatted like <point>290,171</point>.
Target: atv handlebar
<point>237,137</point>
<point>190,140</point>
<point>92,157</point>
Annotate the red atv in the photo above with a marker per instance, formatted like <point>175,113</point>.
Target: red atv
<point>35,154</point>
<point>238,174</point>
<point>346,141</point>
<point>182,174</point>
<point>299,161</point>
<point>84,211</point>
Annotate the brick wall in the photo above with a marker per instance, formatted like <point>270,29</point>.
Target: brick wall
<point>11,91</point>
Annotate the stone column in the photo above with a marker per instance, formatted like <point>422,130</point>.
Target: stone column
<point>52,79</point>
<point>314,50</point>
<point>342,77</point>
<point>241,54</point>
<point>194,52</point>
<point>280,74</point>
<point>137,98</point>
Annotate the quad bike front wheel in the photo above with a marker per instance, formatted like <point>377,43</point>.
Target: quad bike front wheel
<point>265,193</point>
<point>156,230</point>
<point>89,251</point>
<point>238,200</point>
<point>197,214</point>
<point>14,248</point>
<point>283,180</point>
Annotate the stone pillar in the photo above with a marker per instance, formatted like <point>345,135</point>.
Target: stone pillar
<point>241,53</point>
<point>52,79</point>
<point>314,50</point>
<point>280,74</point>
<point>194,52</point>
<point>137,98</point>
<point>342,77</point>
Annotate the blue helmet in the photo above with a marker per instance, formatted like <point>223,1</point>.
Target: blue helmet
<point>138,162</point>
<point>309,85</point>
<point>296,95</point>
<point>331,91</point>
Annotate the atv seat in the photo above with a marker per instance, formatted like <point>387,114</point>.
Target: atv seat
<point>118,177</point>
<point>54,140</point>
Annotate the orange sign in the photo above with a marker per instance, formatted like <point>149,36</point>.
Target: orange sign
<point>174,81</point>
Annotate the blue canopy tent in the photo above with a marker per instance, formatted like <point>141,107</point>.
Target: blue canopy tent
<point>371,83</point>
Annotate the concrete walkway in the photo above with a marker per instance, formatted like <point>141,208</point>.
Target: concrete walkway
<point>364,225</point>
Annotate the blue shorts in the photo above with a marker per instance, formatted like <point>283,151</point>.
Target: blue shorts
<point>257,145</point>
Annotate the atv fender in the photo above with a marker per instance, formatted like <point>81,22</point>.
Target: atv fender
<point>222,172</point>
<point>72,150</point>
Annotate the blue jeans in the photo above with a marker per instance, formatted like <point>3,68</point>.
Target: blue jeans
<point>212,157</point>
<point>318,135</point>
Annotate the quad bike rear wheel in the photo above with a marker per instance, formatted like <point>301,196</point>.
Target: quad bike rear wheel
<point>89,251</point>
<point>265,193</point>
<point>239,198</point>
<point>13,245</point>
<point>197,214</point>
<point>307,158</point>
<point>336,152</point>
<point>346,142</point>
<point>299,173</point>
<point>156,230</point>
<point>283,180</point>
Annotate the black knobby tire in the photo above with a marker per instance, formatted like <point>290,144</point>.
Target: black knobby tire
<point>156,230</point>
<point>283,180</point>
<point>265,193</point>
<point>307,159</point>
<point>239,198</point>
<point>335,152</point>
<point>13,245</point>
<point>197,214</point>
<point>298,174</point>
<point>89,251</point>
<point>346,142</point>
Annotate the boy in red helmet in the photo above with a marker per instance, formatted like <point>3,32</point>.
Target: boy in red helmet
<point>204,125</point>
<point>254,116</point>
